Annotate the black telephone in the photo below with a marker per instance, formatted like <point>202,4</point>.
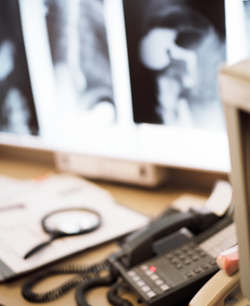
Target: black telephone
<point>164,264</point>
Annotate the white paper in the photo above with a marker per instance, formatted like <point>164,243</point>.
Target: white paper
<point>220,198</point>
<point>20,226</point>
<point>218,202</point>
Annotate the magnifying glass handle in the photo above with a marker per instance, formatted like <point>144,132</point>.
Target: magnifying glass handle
<point>37,248</point>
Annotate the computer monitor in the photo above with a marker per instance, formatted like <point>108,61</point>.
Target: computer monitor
<point>123,80</point>
<point>235,92</point>
<point>235,84</point>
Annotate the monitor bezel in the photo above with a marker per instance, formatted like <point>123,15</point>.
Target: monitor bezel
<point>234,82</point>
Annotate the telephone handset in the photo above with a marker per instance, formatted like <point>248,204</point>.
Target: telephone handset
<point>217,290</point>
<point>173,268</point>
<point>139,245</point>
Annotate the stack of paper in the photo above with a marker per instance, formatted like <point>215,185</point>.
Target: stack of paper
<point>23,204</point>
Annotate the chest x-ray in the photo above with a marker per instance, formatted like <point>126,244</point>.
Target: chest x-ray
<point>78,56</point>
<point>175,50</point>
<point>79,49</point>
<point>17,110</point>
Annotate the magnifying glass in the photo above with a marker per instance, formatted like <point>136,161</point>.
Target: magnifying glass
<point>67,222</point>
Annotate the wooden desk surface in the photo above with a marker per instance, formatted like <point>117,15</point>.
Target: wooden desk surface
<point>150,202</point>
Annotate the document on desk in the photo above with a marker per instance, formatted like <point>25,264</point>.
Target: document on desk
<point>23,204</point>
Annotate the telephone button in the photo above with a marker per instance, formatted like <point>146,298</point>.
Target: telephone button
<point>159,282</point>
<point>151,294</point>
<point>145,288</point>
<point>131,273</point>
<point>136,278</point>
<point>182,256</point>
<point>184,249</point>
<point>148,272</point>
<point>144,267</point>
<point>154,276</point>
<point>140,283</point>
<point>192,245</point>
<point>187,262</point>
<point>177,252</point>
<point>189,274</point>
<point>197,270</point>
<point>164,287</point>
<point>170,256</point>
<point>205,266</point>
<point>178,266</point>
<point>174,260</point>
<point>200,252</point>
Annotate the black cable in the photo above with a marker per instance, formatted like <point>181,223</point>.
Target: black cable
<point>86,278</point>
<point>92,283</point>
<point>113,297</point>
<point>83,275</point>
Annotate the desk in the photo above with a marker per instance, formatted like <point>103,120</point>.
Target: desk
<point>149,202</point>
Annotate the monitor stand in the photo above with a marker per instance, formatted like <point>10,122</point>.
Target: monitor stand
<point>109,169</point>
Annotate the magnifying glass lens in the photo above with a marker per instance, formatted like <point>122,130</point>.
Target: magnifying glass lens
<point>71,222</point>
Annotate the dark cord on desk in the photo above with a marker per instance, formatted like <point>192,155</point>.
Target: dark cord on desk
<point>85,279</point>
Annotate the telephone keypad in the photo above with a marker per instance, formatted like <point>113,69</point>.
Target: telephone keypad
<point>176,266</point>
<point>191,259</point>
<point>188,262</point>
<point>150,283</point>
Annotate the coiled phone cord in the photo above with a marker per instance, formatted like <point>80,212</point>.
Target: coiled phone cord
<point>86,278</point>
<point>113,297</point>
<point>84,275</point>
<point>112,294</point>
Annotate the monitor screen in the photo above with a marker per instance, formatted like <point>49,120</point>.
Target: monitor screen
<point>124,79</point>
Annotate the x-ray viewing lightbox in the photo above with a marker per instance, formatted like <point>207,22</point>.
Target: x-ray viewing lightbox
<point>122,80</point>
